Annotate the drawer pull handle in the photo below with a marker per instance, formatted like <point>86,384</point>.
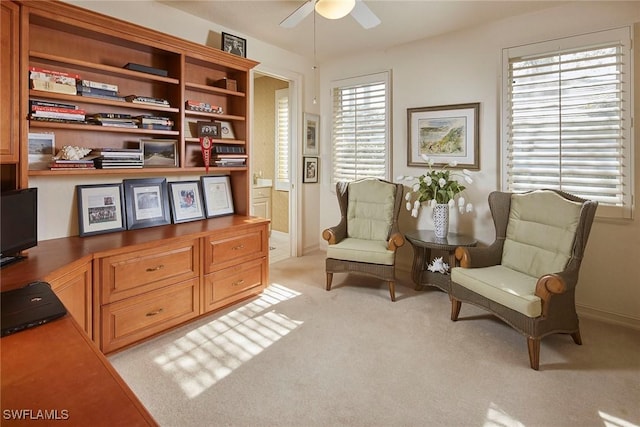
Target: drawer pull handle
<point>237,282</point>
<point>160,267</point>
<point>235,248</point>
<point>153,313</point>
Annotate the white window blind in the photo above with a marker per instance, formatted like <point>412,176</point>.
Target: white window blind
<point>282,140</point>
<point>567,119</point>
<point>360,128</point>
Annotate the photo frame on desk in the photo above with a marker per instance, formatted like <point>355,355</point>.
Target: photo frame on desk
<point>218,199</point>
<point>186,201</point>
<point>147,202</point>
<point>101,209</point>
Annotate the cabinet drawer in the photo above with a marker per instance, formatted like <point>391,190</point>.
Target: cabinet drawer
<point>223,251</point>
<point>137,272</point>
<point>133,319</point>
<point>234,283</point>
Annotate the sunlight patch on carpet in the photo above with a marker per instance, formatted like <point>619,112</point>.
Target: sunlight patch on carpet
<point>497,417</point>
<point>198,360</point>
<point>611,421</point>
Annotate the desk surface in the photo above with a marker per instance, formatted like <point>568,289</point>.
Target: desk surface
<point>54,370</point>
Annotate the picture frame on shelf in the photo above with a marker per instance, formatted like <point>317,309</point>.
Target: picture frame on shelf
<point>101,209</point>
<point>234,44</point>
<point>226,130</point>
<point>160,153</point>
<point>310,170</point>
<point>186,201</point>
<point>42,148</point>
<point>312,135</point>
<point>218,198</point>
<point>446,133</point>
<point>147,202</point>
<point>209,129</point>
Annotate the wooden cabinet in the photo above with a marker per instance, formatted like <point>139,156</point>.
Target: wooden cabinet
<point>73,285</point>
<point>261,204</point>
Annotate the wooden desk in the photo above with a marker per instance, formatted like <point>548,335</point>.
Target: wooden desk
<point>56,369</point>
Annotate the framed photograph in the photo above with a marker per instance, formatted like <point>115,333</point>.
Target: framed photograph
<point>210,129</point>
<point>226,130</point>
<point>41,150</point>
<point>312,135</point>
<point>445,134</point>
<point>186,201</point>
<point>310,170</point>
<point>160,153</point>
<point>100,209</point>
<point>147,202</point>
<point>234,44</point>
<point>218,199</point>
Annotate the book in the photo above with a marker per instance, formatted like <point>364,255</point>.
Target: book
<point>145,69</point>
<point>203,106</point>
<point>111,116</point>
<point>146,100</point>
<point>47,108</point>
<point>98,85</point>
<point>117,124</point>
<point>48,86</point>
<point>40,70</point>
<point>33,102</point>
<point>57,120</point>
<point>155,126</point>
<point>91,90</point>
<point>57,115</point>
<point>95,95</point>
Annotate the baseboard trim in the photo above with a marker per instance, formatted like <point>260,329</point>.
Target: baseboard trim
<point>608,317</point>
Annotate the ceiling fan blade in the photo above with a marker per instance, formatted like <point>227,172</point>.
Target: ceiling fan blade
<point>298,15</point>
<point>364,15</point>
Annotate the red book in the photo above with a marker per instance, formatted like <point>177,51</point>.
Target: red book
<point>57,109</point>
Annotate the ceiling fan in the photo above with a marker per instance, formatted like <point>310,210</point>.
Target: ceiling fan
<point>333,9</point>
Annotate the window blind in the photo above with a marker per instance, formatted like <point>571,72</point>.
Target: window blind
<point>567,123</point>
<point>282,140</point>
<point>360,131</point>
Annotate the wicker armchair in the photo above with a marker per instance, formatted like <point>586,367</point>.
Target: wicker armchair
<point>366,239</point>
<point>528,276</point>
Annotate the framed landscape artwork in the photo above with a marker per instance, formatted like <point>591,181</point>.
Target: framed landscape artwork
<point>444,134</point>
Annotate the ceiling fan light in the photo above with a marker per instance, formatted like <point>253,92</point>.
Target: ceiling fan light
<point>334,9</point>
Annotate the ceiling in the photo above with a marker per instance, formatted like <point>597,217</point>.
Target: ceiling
<point>402,22</point>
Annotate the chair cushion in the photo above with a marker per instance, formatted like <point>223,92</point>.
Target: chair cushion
<point>361,250</point>
<point>370,209</point>
<point>502,285</point>
<point>540,232</point>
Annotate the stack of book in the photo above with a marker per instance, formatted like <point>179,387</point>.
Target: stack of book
<point>147,100</point>
<point>118,158</point>
<point>53,81</point>
<point>98,90</point>
<point>56,112</point>
<point>120,120</point>
<point>85,163</point>
<point>229,155</point>
<point>155,122</point>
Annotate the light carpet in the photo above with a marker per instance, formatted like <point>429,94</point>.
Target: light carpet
<point>301,356</point>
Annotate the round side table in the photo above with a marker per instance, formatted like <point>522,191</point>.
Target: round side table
<point>423,242</point>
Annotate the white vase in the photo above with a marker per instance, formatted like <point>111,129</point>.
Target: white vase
<point>441,220</point>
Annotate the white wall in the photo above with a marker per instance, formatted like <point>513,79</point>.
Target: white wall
<point>465,67</point>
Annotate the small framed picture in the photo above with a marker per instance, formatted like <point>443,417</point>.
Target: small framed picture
<point>41,150</point>
<point>218,199</point>
<point>226,130</point>
<point>186,201</point>
<point>100,209</point>
<point>310,170</point>
<point>210,129</point>
<point>234,44</point>
<point>147,202</point>
<point>160,153</point>
<point>312,135</point>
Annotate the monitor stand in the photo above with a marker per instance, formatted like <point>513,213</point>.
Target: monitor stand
<point>6,260</point>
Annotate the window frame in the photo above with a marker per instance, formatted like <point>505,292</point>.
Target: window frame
<point>622,36</point>
<point>280,184</point>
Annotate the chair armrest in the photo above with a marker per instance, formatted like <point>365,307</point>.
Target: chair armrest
<point>395,241</point>
<point>548,286</point>
<point>336,233</point>
<point>476,257</point>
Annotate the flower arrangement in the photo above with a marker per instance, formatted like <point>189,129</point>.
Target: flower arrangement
<point>437,187</point>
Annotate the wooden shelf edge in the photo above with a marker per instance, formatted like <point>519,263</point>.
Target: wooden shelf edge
<point>213,89</point>
<point>99,101</point>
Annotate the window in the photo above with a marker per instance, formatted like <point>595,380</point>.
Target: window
<point>282,140</point>
<point>360,131</point>
<point>567,119</point>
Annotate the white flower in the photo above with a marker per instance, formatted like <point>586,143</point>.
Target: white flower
<point>468,179</point>
<point>432,203</point>
<point>407,196</point>
<point>408,206</point>
<point>461,209</point>
<point>416,187</point>
<point>461,201</point>
<point>416,204</point>
<point>414,213</point>
<point>466,172</point>
<point>453,163</point>
<point>424,157</point>
<point>442,182</point>
<point>469,207</point>
<point>428,180</point>
<point>451,203</point>
<point>400,177</point>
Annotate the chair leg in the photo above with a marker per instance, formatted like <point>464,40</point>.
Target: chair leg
<point>392,290</point>
<point>534,352</point>
<point>329,279</point>
<point>455,308</point>
<point>576,337</point>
